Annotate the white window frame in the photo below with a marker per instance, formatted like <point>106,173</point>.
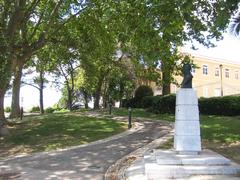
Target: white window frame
<point>217,72</point>
<point>205,69</point>
<point>236,74</point>
<point>227,73</point>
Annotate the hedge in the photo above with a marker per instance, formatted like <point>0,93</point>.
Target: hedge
<point>226,105</point>
<point>140,93</point>
<point>164,104</point>
<point>133,103</point>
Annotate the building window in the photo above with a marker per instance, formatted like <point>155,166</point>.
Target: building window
<point>236,75</point>
<point>205,69</point>
<point>217,72</point>
<point>227,73</point>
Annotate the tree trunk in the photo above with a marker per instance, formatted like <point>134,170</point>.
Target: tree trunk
<point>15,107</point>
<point>69,103</point>
<point>97,98</point>
<point>97,94</point>
<point>166,83</point>
<point>166,79</point>
<point>2,116</point>
<point>104,100</point>
<point>85,96</point>
<point>41,86</point>
<point>3,130</point>
<point>105,96</point>
<point>121,94</point>
<point>166,89</point>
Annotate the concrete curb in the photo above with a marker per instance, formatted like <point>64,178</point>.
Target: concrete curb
<point>116,171</point>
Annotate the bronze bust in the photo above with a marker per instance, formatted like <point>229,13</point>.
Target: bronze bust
<point>187,76</point>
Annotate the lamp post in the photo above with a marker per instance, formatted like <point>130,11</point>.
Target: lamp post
<point>129,118</point>
<point>221,79</point>
<point>110,108</point>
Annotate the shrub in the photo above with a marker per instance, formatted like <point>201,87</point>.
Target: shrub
<point>125,102</point>
<point>49,110</point>
<point>164,104</point>
<point>143,91</point>
<point>140,93</point>
<point>35,109</point>
<point>7,109</point>
<point>226,105</point>
<point>147,102</point>
<point>133,103</point>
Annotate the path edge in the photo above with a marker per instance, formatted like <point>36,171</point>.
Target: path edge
<point>116,170</point>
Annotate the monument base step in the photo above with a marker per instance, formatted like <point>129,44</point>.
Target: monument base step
<point>205,157</point>
<point>167,164</point>
<point>155,171</point>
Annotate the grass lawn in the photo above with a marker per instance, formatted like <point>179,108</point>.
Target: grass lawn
<point>53,131</point>
<point>219,133</point>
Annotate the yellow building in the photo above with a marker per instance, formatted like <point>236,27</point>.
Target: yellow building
<point>213,77</point>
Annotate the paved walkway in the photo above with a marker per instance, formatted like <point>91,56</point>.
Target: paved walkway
<point>82,163</point>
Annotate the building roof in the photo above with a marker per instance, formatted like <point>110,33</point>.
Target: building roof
<point>214,59</point>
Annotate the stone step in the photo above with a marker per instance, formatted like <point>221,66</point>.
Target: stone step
<point>137,171</point>
<point>156,171</point>
<point>205,157</point>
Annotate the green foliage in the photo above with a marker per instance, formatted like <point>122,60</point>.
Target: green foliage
<point>35,109</point>
<point>133,103</point>
<point>164,104</point>
<point>156,104</point>
<point>143,91</point>
<point>49,110</point>
<point>226,105</point>
<point>147,101</point>
<point>140,93</point>
<point>7,109</point>
<point>61,111</point>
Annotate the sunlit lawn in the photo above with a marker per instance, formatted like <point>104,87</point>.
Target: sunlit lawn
<point>53,131</point>
<point>219,133</point>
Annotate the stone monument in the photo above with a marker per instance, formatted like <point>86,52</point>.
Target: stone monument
<point>187,158</point>
<point>187,127</point>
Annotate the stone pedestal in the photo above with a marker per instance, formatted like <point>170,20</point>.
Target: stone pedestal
<point>187,138</point>
<point>187,158</point>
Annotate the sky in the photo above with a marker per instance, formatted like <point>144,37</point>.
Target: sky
<point>29,97</point>
<point>227,49</point>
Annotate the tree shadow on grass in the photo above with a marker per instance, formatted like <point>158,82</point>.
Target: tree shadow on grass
<point>57,131</point>
<point>88,162</point>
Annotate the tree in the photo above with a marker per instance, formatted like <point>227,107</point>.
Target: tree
<point>65,65</point>
<point>40,64</point>
<point>234,25</point>
<point>27,26</point>
<point>155,30</point>
<point>84,86</point>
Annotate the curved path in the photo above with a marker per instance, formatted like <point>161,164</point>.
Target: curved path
<point>82,163</point>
